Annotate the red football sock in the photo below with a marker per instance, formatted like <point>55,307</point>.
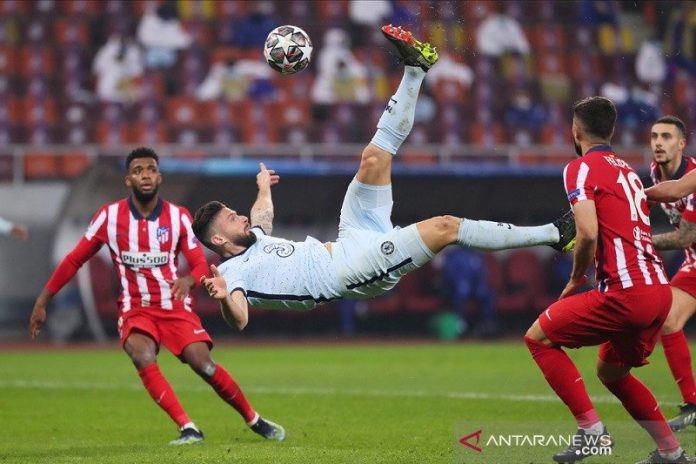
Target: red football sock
<point>679,359</point>
<point>564,378</point>
<point>162,393</point>
<point>642,406</point>
<point>227,388</point>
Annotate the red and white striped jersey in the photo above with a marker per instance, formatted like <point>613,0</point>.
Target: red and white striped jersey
<point>144,252</point>
<point>625,255</point>
<point>684,208</point>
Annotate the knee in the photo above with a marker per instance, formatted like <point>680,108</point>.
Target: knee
<point>672,324</point>
<point>205,368</point>
<point>447,226</point>
<point>142,357</point>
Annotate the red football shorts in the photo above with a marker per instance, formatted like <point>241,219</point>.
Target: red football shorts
<point>625,323</point>
<point>173,329</point>
<point>685,280</point>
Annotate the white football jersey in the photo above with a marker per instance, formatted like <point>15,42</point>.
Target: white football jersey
<point>276,273</point>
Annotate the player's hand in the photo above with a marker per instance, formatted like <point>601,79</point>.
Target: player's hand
<point>572,286</point>
<point>181,287</point>
<point>215,285</point>
<point>266,177</point>
<point>20,231</point>
<point>37,319</point>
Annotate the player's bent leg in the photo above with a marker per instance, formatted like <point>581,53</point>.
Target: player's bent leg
<point>197,355</point>
<point>683,307</point>
<point>375,166</point>
<point>141,348</point>
<point>678,355</point>
<point>611,372</point>
<point>439,231</point>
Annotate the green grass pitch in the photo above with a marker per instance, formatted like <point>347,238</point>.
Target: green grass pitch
<point>407,403</point>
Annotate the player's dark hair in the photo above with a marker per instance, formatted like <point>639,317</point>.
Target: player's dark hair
<point>675,121</point>
<point>141,152</point>
<point>597,115</point>
<point>202,219</point>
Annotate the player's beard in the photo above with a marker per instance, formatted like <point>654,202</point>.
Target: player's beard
<point>578,149</point>
<point>144,197</point>
<point>246,240</point>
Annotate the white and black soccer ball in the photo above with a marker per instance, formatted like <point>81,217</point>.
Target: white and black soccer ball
<point>288,49</point>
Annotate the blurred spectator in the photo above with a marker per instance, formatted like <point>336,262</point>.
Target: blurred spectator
<point>465,279</point>
<point>636,106</point>
<point>651,67</point>
<point>118,67</point>
<point>366,17</point>
<point>161,33</point>
<point>597,13</point>
<point>251,31</point>
<point>340,76</point>
<point>525,112</point>
<point>680,37</point>
<point>500,34</point>
<point>449,70</point>
<point>237,81</point>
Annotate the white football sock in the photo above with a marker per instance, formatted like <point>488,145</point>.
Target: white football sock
<point>595,429</point>
<point>190,425</point>
<point>672,455</point>
<point>397,120</point>
<point>492,236</point>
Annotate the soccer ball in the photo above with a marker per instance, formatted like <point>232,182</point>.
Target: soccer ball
<point>288,49</point>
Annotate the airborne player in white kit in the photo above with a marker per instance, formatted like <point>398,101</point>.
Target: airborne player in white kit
<point>370,254</point>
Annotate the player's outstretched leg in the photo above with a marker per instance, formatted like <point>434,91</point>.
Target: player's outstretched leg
<point>397,120</point>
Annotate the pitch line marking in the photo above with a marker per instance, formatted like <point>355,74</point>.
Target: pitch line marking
<point>311,391</point>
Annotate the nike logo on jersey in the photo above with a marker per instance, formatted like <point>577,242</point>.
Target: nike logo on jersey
<point>198,331</point>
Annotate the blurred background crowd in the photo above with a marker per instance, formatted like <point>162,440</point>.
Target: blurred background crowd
<point>83,80</point>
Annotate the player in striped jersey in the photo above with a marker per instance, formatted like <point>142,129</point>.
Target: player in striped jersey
<point>667,141</point>
<point>370,254</point>
<point>145,235</point>
<point>625,313</point>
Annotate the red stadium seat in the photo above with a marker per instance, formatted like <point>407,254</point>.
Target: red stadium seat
<point>39,166</point>
<point>71,32</point>
<point>525,288</point>
<point>74,164</point>
<point>9,61</point>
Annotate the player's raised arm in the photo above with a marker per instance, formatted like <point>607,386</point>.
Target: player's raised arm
<point>234,305</point>
<point>673,190</point>
<point>262,210</point>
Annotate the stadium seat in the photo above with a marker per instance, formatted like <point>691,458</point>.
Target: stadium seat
<point>76,8</point>
<point>6,168</point>
<point>525,288</point>
<point>9,63</point>
<point>71,32</point>
<point>73,165</point>
<point>41,166</point>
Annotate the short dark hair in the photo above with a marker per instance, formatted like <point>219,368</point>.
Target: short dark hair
<point>675,121</point>
<point>597,115</point>
<point>204,216</point>
<point>141,152</point>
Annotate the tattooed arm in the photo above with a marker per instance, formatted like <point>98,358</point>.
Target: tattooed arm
<point>677,239</point>
<point>262,210</point>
